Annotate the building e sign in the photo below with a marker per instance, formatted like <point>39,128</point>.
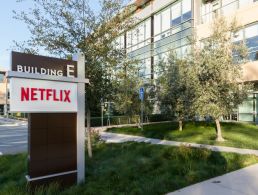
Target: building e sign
<point>49,90</point>
<point>47,96</point>
<point>43,65</point>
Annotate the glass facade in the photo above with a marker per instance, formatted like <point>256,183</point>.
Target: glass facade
<point>139,46</point>
<point>225,7</point>
<point>250,35</point>
<point>172,27</point>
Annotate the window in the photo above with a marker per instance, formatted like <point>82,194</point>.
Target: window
<point>243,3</point>
<point>238,36</point>
<point>148,29</point>
<point>141,35</point>
<point>148,66</point>
<point>157,24</point>
<point>229,6</point>
<point>129,39</point>
<point>165,20</point>
<point>138,38</point>
<point>145,67</point>
<point>186,9</point>
<point>176,14</point>
<point>250,34</point>
<point>251,31</point>
<point>1,77</point>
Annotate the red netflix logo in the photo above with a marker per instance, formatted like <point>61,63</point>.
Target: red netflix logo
<point>41,94</point>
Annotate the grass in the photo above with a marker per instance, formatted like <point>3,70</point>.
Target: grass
<point>240,135</point>
<point>132,168</point>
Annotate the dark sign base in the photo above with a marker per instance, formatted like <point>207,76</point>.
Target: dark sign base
<point>52,149</point>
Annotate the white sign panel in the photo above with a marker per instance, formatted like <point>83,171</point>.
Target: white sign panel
<point>28,95</point>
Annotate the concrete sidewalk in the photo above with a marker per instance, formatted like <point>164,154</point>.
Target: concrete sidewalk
<point>104,128</point>
<point>120,138</point>
<point>241,182</point>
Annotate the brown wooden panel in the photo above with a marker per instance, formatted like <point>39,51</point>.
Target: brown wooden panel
<point>38,168</point>
<point>68,138</point>
<point>55,135</point>
<point>38,121</point>
<point>52,143</point>
<point>39,137</point>
<point>38,152</point>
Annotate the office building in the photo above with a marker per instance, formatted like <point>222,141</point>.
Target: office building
<point>165,25</point>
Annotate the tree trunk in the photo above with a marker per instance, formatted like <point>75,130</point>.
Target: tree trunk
<point>89,134</point>
<point>218,131</point>
<point>180,125</point>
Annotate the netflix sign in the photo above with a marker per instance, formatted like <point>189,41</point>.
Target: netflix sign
<point>28,95</point>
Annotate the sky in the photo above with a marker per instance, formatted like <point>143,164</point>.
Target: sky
<point>12,29</point>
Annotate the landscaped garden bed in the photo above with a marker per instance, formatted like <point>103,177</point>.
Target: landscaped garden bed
<point>132,168</point>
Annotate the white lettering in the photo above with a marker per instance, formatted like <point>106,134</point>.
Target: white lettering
<point>70,70</point>
<point>53,72</point>
<point>27,69</point>
<point>43,71</point>
<point>19,68</point>
<point>59,73</point>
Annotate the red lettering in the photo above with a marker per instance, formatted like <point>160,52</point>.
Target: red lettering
<point>67,98</point>
<point>33,94</point>
<point>41,93</point>
<point>48,93</point>
<point>25,93</point>
<point>55,99</point>
<point>61,95</point>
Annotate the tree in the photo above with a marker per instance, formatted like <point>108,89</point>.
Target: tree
<point>128,82</point>
<point>63,28</point>
<point>220,84</point>
<point>176,87</point>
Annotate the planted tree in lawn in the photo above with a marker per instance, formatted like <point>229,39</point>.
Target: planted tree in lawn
<point>220,87</point>
<point>63,28</point>
<point>176,87</point>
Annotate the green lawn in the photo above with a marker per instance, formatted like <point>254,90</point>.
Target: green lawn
<point>132,168</point>
<point>240,135</point>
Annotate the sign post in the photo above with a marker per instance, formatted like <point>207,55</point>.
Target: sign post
<point>81,121</point>
<point>50,90</point>
<point>102,110</point>
<point>141,93</point>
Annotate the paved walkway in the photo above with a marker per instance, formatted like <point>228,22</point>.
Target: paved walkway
<point>104,128</point>
<point>241,182</point>
<point>120,138</point>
